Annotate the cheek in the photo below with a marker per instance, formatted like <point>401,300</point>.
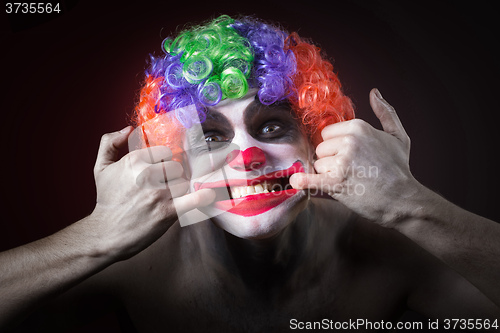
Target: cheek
<point>284,155</point>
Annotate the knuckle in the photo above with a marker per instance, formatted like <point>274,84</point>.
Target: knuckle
<point>321,149</point>
<point>178,188</point>
<point>106,137</point>
<point>183,187</point>
<point>325,133</point>
<point>161,152</point>
<point>359,126</point>
<point>176,166</point>
<point>173,169</point>
<point>143,178</point>
<point>356,123</point>
<point>350,141</point>
<point>390,108</point>
<point>133,157</point>
<point>319,166</point>
<point>342,161</point>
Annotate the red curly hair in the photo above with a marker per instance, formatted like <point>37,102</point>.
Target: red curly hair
<point>318,99</point>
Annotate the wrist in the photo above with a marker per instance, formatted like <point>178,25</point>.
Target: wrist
<point>421,210</point>
<point>414,202</point>
<point>96,239</point>
<point>117,236</point>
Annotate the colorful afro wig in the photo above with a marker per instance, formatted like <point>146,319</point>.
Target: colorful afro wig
<point>224,59</point>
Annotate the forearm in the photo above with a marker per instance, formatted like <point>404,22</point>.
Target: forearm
<point>468,243</point>
<point>45,268</point>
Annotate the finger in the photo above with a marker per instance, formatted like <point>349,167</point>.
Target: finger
<point>324,182</point>
<point>334,165</point>
<point>175,188</point>
<point>152,155</point>
<point>336,130</point>
<point>109,147</point>
<point>345,128</point>
<point>329,147</point>
<point>156,175</point>
<point>178,187</point>
<point>387,115</point>
<point>194,200</point>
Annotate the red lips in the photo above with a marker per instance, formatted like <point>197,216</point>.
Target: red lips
<point>258,203</point>
<point>255,204</point>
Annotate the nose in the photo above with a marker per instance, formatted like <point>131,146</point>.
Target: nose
<point>249,159</point>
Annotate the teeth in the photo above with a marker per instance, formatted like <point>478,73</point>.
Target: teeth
<point>243,191</point>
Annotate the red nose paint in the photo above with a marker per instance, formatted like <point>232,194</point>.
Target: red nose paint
<point>251,158</point>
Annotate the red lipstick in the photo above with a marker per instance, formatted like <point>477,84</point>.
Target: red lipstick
<point>255,204</point>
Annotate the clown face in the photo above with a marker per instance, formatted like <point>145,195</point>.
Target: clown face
<point>246,155</point>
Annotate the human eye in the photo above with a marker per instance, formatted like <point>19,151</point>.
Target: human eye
<point>269,129</point>
<point>209,138</point>
<point>216,140</point>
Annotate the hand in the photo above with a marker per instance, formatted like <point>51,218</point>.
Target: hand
<point>135,206</point>
<point>362,167</point>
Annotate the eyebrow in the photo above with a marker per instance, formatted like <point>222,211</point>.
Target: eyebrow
<point>216,121</point>
<point>214,115</point>
<point>256,107</point>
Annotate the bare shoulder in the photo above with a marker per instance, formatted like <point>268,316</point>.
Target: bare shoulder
<point>426,284</point>
<point>372,248</point>
<point>360,236</point>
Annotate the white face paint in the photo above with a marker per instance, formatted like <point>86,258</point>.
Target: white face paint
<point>252,150</point>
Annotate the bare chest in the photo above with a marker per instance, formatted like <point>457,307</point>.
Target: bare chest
<point>201,301</point>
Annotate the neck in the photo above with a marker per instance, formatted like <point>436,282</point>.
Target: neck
<point>263,262</point>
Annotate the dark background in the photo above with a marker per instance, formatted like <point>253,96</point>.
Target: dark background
<point>69,78</point>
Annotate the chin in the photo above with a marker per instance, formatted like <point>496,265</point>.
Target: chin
<point>262,224</point>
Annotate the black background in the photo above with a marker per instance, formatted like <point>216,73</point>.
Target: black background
<point>69,78</point>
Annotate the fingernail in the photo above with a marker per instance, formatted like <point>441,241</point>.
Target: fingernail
<point>378,94</point>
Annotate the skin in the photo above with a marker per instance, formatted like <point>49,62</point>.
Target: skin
<point>249,124</point>
<point>309,258</point>
<point>394,199</point>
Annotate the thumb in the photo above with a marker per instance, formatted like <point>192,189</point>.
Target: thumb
<point>109,148</point>
<point>387,116</point>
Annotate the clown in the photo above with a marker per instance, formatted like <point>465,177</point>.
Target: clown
<point>313,218</point>
<point>273,92</point>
